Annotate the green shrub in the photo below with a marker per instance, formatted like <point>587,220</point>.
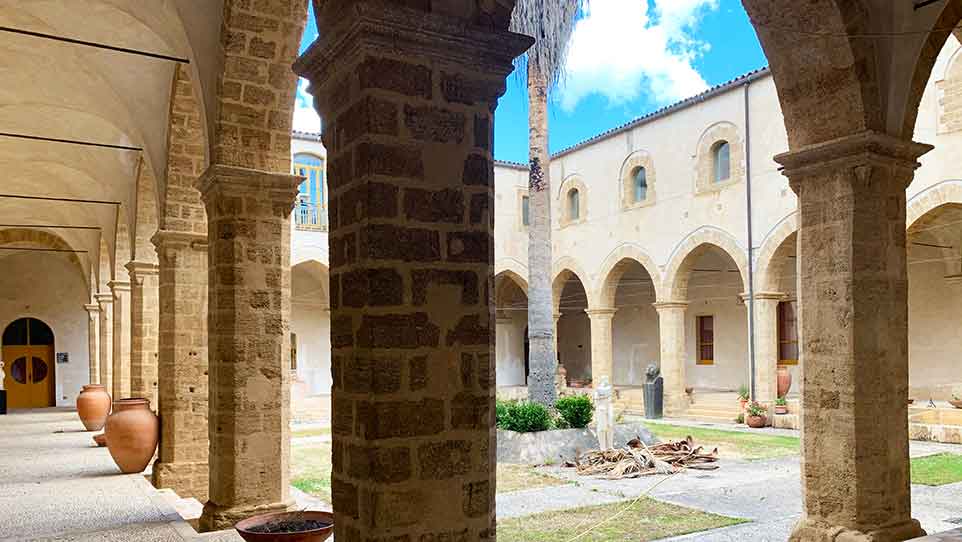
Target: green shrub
<point>522,416</point>
<point>576,410</point>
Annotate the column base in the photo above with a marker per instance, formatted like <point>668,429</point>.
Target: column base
<point>676,406</point>
<point>218,518</point>
<point>186,479</point>
<point>809,530</point>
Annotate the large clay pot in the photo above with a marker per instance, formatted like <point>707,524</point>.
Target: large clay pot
<point>756,422</point>
<point>132,432</point>
<point>93,406</point>
<point>784,380</point>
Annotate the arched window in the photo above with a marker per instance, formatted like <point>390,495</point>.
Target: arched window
<point>640,178</point>
<point>721,161</point>
<point>574,204</point>
<point>311,210</point>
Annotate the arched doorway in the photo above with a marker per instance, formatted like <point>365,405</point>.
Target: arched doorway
<point>630,291</point>
<point>28,367</point>
<point>512,346</point>
<point>574,329</point>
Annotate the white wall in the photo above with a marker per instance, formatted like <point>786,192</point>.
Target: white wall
<point>509,351</point>
<point>46,286</point>
<point>313,328</point>
<point>634,333</point>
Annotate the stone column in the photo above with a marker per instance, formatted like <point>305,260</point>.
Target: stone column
<point>182,363</point>
<point>249,277</point>
<point>602,362</point>
<point>144,330</point>
<point>408,128</point>
<point>766,345</point>
<point>674,353</point>
<point>121,344</point>
<point>93,341</point>
<point>106,302</point>
<point>557,317</point>
<point>853,299</point>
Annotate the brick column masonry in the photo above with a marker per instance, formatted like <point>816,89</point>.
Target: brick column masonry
<point>182,363</point>
<point>93,341</point>
<point>766,345</point>
<point>674,351</point>
<point>106,302</point>
<point>602,363</point>
<point>144,330</point>
<point>249,337</point>
<point>121,344</point>
<point>853,294</point>
<point>408,97</point>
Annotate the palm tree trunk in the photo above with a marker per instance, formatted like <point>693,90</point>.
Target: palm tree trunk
<point>543,359</point>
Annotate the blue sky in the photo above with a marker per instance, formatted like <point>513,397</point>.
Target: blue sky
<point>627,58</point>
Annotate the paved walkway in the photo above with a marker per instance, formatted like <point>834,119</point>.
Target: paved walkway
<point>56,485</point>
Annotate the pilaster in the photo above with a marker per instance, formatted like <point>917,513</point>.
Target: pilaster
<point>93,341</point>
<point>602,362</point>
<point>766,344</point>
<point>106,302</point>
<point>671,328</point>
<point>121,338</point>
<point>144,329</point>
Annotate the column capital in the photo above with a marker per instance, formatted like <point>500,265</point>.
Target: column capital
<point>864,149</point>
<point>378,27</point>
<point>237,181</point>
<point>170,238</point>
<point>119,286</point>
<point>668,305</point>
<point>92,308</point>
<point>142,268</point>
<point>502,317</point>
<point>104,298</point>
<point>763,296</point>
<point>601,314</point>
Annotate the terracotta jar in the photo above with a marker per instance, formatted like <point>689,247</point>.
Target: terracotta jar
<point>784,380</point>
<point>93,406</point>
<point>132,432</point>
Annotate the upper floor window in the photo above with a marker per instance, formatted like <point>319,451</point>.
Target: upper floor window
<point>525,210</point>
<point>311,209</point>
<point>574,204</point>
<point>640,178</point>
<point>721,161</point>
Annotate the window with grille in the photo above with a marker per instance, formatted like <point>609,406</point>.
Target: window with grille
<point>706,340</point>
<point>788,333</point>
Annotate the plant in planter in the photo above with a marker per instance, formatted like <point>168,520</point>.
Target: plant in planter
<point>755,415</point>
<point>956,401</point>
<point>781,406</point>
<point>740,418</point>
<point>743,396</point>
<point>303,526</point>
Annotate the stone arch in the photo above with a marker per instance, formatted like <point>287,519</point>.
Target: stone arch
<point>502,279</point>
<point>145,218</point>
<point>181,208</point>
<point>626,179</point>
<point>562,270</point>
<point>43,239</point>
<point>929,47</point>
<point>614,267</point>
<point>767,270</point>
<point>570,183</point>
<point>315,269</point>
<point>511,267</point>
<point>949,191</point>
<point>715,134</point>
<point>123,250</point>
<point>678,271</point>
<point>103,269</point>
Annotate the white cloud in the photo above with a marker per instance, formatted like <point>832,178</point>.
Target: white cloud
<point>621,49</point>
<point>305,117</point>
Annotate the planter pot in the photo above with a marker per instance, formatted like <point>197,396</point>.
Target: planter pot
<point>132,432</point>
<point>956,404</point>
<point>100,440</point>
<point>755,422</point>
<point>784,380</point>
<point>93,406</point>
<point>742,403</point>
<point>781,409</point>
<point>283,527</point>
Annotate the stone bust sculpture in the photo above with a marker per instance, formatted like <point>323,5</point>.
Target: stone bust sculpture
<point>652,373</point>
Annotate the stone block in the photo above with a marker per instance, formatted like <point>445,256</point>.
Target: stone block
<point>396,76</point>
<point>429,123</point>
<point>444,206</point>
<point>423,279</point>
<point>444,460</point>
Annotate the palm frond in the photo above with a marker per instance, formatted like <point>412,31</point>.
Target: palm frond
<point>550,23</point>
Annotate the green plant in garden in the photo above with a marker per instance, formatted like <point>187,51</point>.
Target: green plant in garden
<point>781,401</point>
<point>740,418</point>
<point>522,416</point>
<point>576,410</point>
<point>757,410</point>
<point>743,392</point>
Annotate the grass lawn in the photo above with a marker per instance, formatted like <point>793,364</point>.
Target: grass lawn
<point>937,470</point>
<point>311,469</point>
<point>518,477</point>
<point>735,444</point>
<point>645,519</point>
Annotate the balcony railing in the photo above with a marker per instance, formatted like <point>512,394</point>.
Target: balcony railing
<point>310,216</point>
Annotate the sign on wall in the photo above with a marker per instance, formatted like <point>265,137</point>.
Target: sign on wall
<point>63,357</point>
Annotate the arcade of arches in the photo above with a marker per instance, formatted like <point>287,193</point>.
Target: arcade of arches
<point>149,227</point>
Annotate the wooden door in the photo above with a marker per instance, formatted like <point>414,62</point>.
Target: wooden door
<point>28,372</point>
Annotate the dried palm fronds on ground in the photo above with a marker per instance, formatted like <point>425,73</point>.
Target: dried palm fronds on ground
<point>637,459</point>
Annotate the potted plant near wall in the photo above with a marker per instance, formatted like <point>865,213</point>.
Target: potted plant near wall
<point>303,526</point>
<point>743,396</point>
<point>781,406</point>
<point>956,401</point>
<point>755,416</point>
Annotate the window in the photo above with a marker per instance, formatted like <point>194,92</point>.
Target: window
<point>788,333</point>
<point>311,209</point>
<point>640,177</point>
<point>721,157</point>
<point>706,340</point>
<point>525,210</point>
<point>574,204</point>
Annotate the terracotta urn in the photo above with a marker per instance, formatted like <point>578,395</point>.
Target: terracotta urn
<point>755,422</point>
<point>132,432</point>
<point>100,440</point>
<point>956,403</point>
<point>307,526</point>
<point>784,380</point>
<point>93,406</point>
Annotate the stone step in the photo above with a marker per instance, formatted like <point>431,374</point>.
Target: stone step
<point>712,419</point>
